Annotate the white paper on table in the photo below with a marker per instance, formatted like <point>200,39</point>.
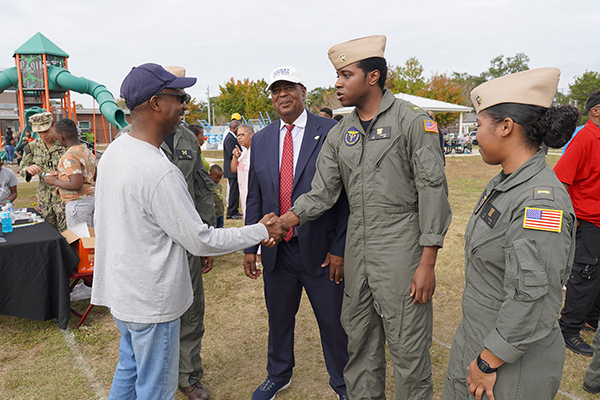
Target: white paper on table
<point>81,230</point>
<point>22,215</point>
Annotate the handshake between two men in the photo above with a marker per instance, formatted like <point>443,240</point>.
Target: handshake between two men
<point>278,227</point>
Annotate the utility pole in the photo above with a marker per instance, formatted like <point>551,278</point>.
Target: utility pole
<point>208,98</point>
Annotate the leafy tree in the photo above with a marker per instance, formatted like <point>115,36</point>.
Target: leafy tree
<point>582,87</point>
<point>258,100</point>
<point>407,79</point>
<point>232,98</point>
<point>321,97</point>
<point>500,67</point>
<point>444,88</point>
<point>121,103</point>
<point>197,109</point>
<point>468,83</point>
<point>245,97</point>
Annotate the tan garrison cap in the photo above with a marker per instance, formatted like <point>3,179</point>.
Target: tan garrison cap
<point>41,122</point>
<point>346,53</point>
<point>535,86</point>
<point>177,71</point>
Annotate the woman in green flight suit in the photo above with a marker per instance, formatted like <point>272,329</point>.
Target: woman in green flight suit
<point>519,245</point>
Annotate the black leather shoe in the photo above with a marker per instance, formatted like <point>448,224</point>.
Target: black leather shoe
<point>236,216</point>
<point>195,392</point>
<point>577,345</point>
<point>591,389</point>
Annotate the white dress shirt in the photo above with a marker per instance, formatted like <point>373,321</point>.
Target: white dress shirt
<point>297,136</point>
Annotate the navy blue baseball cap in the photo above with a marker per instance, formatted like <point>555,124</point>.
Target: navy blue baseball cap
<point>145,81</point>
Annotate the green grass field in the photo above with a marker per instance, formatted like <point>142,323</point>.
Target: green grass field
<point>36,361</point>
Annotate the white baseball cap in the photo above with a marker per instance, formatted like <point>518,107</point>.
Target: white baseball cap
<point>288,74</point>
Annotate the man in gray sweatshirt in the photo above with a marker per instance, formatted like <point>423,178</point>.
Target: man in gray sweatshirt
<point>145,221</point>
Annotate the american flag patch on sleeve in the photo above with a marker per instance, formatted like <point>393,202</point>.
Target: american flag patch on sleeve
<point>543,219</point>
<point>430,126</point>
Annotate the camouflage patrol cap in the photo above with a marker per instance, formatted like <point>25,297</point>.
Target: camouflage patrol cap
<point>41,122</point>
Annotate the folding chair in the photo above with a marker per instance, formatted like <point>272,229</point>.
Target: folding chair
<point>87,278</point>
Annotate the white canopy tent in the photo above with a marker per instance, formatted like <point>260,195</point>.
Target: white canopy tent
<point>425,104</point>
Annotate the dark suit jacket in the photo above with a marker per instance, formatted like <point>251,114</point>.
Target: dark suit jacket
<point>229,143</point>
<point>316,238</point>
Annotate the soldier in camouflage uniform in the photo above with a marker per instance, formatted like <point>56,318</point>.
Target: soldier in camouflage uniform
<point>41,157</point>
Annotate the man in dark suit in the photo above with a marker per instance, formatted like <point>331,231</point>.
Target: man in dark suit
<point>233,190</point>
<point>282,165</point>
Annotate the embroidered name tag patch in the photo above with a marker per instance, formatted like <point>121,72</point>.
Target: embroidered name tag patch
<point>380,133</point>
<point>351,136</point>
<point>490,215</point>
<point>542,219</point>
<point>183,154</point>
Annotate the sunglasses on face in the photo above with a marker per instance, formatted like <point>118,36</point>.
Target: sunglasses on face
<point>183,97</point>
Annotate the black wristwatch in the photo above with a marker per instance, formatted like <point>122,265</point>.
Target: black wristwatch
<point>484,366</point>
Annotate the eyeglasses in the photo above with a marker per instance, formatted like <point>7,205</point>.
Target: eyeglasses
<point>183,97</point>
<point>241,135</point>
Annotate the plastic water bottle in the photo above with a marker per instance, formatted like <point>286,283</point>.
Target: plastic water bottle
<point>11,209</point>
<point>6,222</point>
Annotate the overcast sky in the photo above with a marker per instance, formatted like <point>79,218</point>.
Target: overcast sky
<point>220,39</point>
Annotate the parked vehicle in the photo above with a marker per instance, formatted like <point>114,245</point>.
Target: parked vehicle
<point>473,137</point>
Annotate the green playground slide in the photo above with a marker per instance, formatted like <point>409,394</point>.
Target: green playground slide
<point>59,79</point>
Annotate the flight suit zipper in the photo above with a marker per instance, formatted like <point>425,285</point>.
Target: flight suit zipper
<point>477,214</point>
<point>491,239</point>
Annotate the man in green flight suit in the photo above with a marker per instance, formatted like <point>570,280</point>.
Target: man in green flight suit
<point>41,157</point>
<point>183,150</point>
<point>386,154</point>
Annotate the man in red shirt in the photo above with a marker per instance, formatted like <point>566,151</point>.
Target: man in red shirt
<point>579,170</point>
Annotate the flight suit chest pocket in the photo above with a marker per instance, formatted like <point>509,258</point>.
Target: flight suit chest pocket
<point>525,265</point>
<point>351,150</point>
<point>386,148</point>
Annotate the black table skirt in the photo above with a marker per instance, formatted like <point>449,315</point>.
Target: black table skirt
<point>35,265</point>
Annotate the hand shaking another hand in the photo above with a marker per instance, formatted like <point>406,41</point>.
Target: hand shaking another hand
<point>277,229</point>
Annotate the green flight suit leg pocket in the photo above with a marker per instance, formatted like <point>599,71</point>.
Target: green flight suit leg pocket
<point>409,341</point>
